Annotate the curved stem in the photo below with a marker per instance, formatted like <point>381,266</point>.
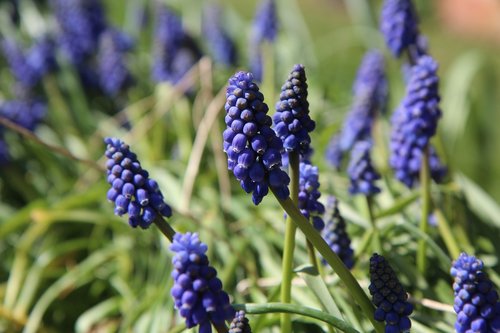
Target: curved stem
<point>426,207</point>
<point>376,235</point>
<point>287,265</point>
<point>297,309</point>
<point>333,260</point>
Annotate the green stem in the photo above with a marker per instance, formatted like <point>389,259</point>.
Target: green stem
<point>297,309</point>
<point>377,243</point>
<point>333,260</point>
<point>287,265</point>
<point>447,235</point>
<point>164,227</point>
<point>426,205</point>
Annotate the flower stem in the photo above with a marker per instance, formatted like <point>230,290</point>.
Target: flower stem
<point>426,205</point>
<point>287,265</point>
<point>376,235</point>
<point>447,234</point>
<point>333,260</point>
<point>164,227</point>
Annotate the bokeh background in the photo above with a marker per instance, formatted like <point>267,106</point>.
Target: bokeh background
<point>68,264</point>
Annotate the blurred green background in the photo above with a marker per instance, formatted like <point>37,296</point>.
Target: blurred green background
<point>68,264</point>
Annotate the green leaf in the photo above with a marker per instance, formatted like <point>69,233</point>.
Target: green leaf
<point>316,284</point>
<point>480,202</point>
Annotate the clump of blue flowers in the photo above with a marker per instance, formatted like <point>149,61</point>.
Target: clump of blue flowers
<point>362,174</point>
<point>399,25</point>
<point>415,122</point>
<point>220,43</point>
<point>197,291</point>
<point>132,191</point>
<point>114,75</point>
<point>476,301</point>
<point>252,147</point>
<point>309,194</point>
<point>240,323</point>
<point>389,296</point>
<point>370,93</point>
<point>292,122</point>
<point>265,28</point>
<point>335,234</point>
<point>175,51</point>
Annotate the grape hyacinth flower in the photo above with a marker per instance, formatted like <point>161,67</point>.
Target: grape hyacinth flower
<point>252,147</point>
<point>197,291</point>
<point>370,94</point>
<point>81,23</point>
<point>265,28</point>
<point>25,113</point>
<point>292,122</point>
<point>265,24</point>
<point>41,56</point>
<point>335,234</point>
<point>240,324</point>
<point>24,74</point>
<point>389,296</point>
<point>333,153</point>
<point>399,25</point>
<point>175,52</point>
<point>309,194</point>
<point>114,75</point>
<point>415,122</point>
<point>361,172</point>
<point>220,43</point>
<point>476,302</point>
<point>132,191</point>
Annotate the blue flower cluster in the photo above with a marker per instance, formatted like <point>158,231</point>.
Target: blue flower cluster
<point>309,194</point>
<point>399,25</point>
<point>389,296</point>
<point>292,122</point>
<point>252,147</point>
<point>370,95</point>
<point>220,43</point>
<point>28,67</point>
<point>240,324</point>
<point>114,75</point>
<point>175,50</point>
<point>81,23</point>
<point>265,28</point>
<point>132,191</point>
<point>265,24</point>
<point>415,122</point>
<point>25,113</point>
<point>361,172</point>
<point>335,234</point>
<point>197,291</point>
<point>476,302</point>
<point>370,92</point>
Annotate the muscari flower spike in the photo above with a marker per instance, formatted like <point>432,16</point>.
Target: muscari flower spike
<point>292,122</point>
<point>335,234</point>
<point>240,323</point>
<point>399,25</point>
<point>175,51</point>
<point>476,301</point>
<point>414,123</point>
<point>197,291</point>
<point>370,94</point>
<point>114,75</point>
<point>220,43</point>
<point>265,23</point>
<point>389,296</point>
<point>252,147</point>
<point>309,194</point>
<point>361,172</point>
<point>132,191</point>
<point>334,153</point>
<point>25,74</point>
<point>81,23</point>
